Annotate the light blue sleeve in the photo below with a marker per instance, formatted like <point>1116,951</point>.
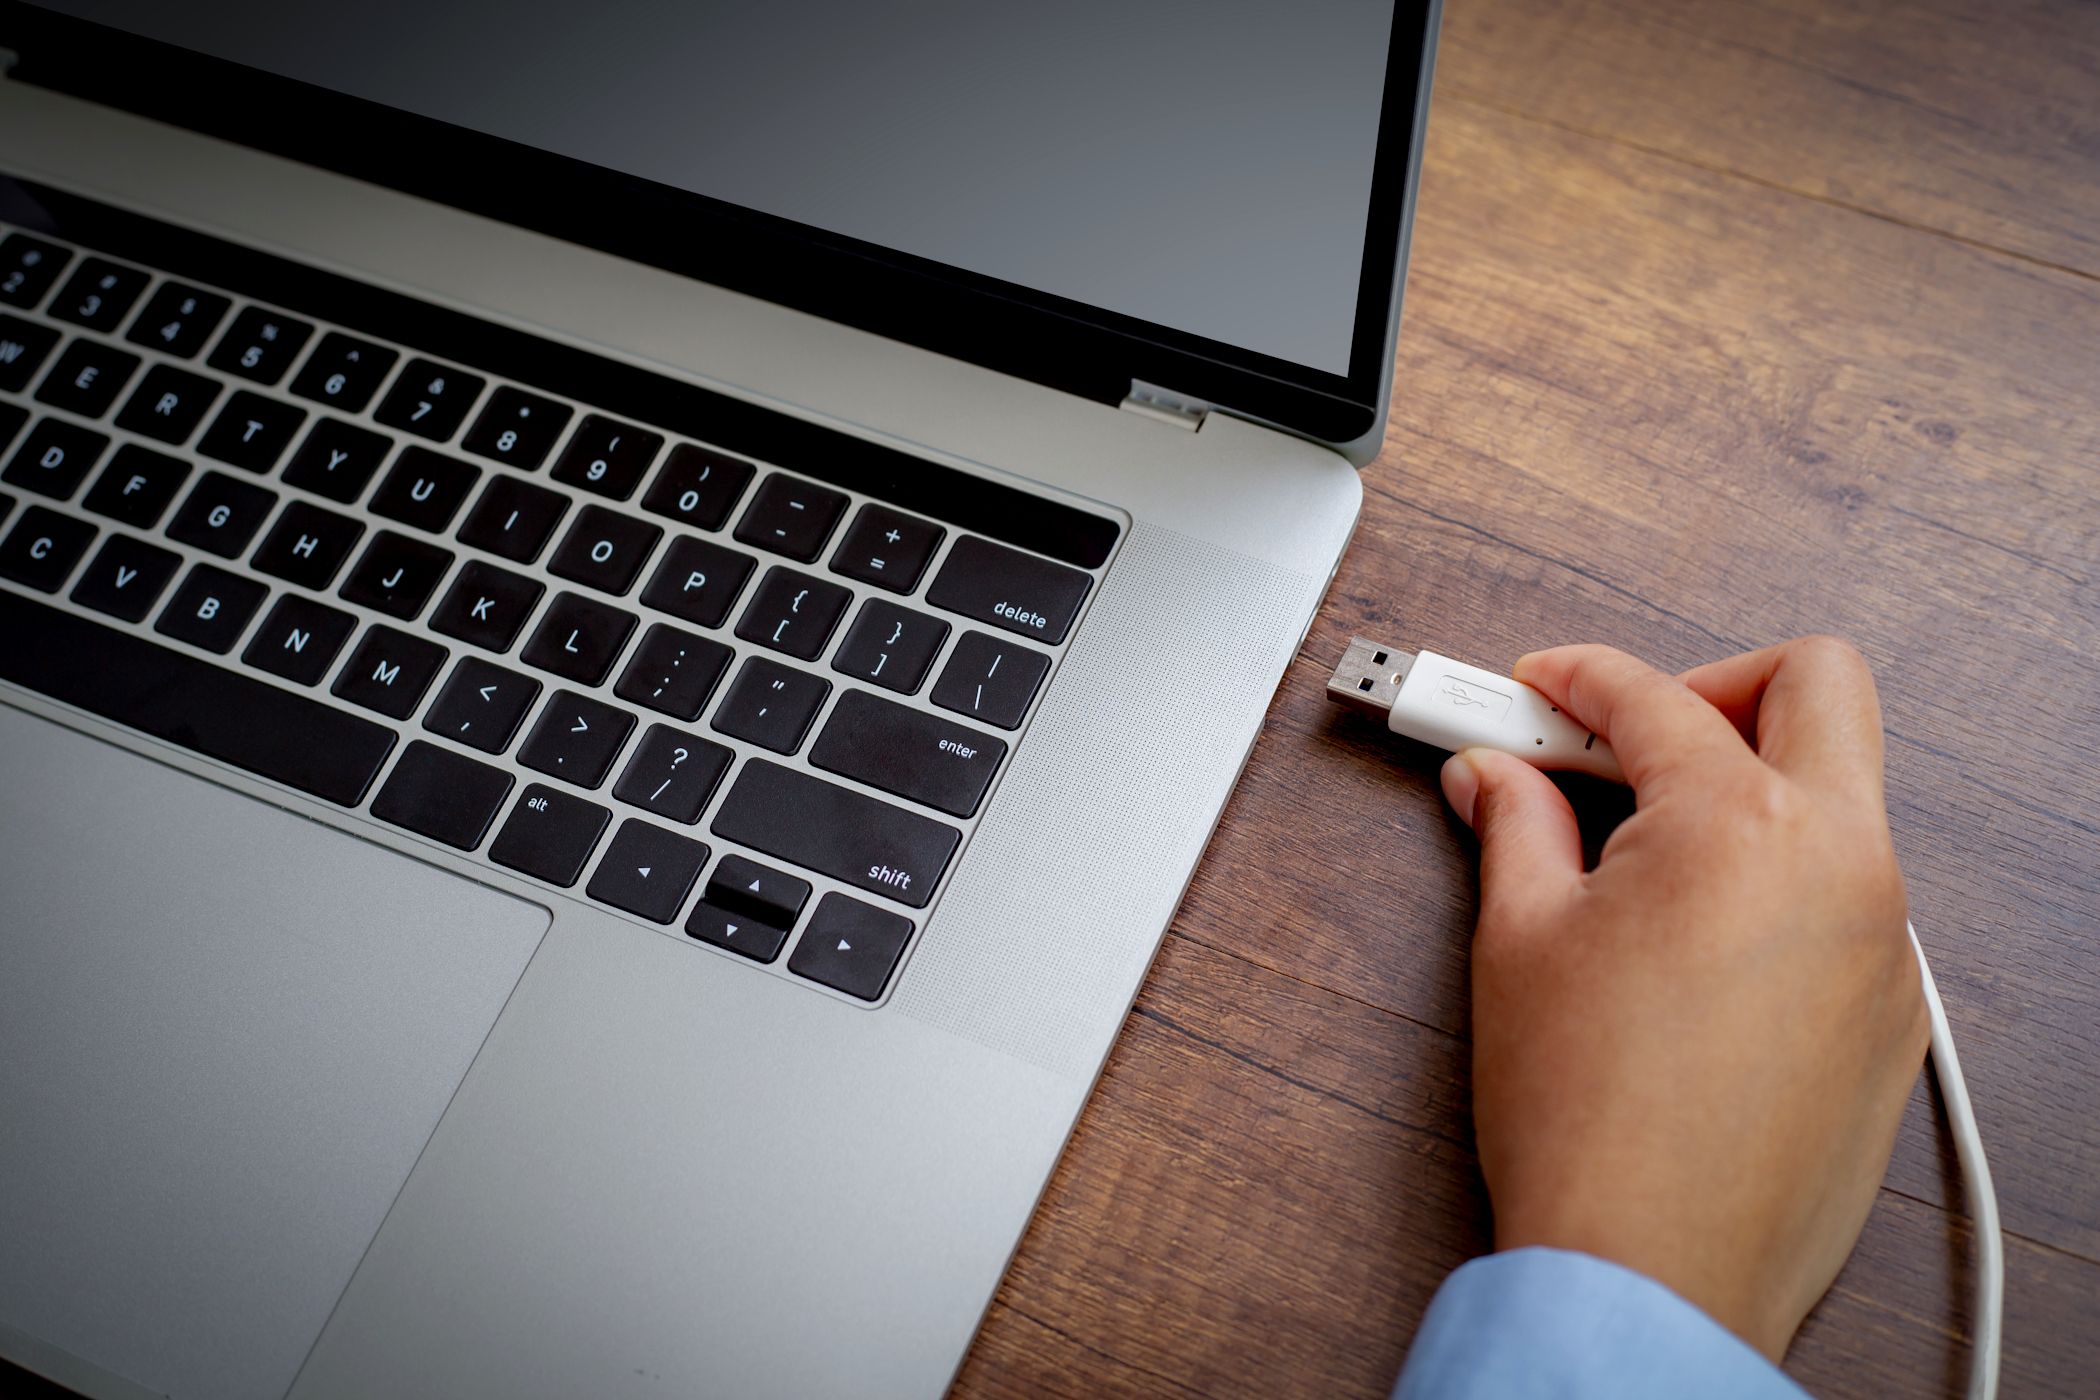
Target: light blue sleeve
<point>1546,1324</point>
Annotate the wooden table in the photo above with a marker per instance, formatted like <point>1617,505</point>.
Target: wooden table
<point>1726,322</point>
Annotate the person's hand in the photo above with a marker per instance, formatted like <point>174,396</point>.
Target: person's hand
<point>1692,1059</point>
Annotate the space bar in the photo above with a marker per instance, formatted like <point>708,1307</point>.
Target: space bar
<point>219,713</point>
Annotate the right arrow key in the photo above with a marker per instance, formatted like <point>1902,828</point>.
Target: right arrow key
<point>851,946</point>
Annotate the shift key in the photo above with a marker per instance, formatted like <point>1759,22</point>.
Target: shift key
<point>1009,589</point>
<point>835,831</point>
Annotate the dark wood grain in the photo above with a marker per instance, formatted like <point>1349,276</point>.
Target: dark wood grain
<point>1726,322</point>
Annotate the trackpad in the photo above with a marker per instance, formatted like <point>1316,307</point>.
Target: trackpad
<point>226,1033</point>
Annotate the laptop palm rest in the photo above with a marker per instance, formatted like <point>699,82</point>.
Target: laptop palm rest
<point>226,1033</point>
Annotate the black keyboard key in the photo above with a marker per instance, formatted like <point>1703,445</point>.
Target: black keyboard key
<point>757,891</point>
<point>1006,588</point>
<point>698,581</point>
<point>698,486</point>
<point>211,609</point>
<point>550,835</point>
<point>887,548</point>
<point>424,489</point>
<point>87,378</point>
<point>168,404</point>
<point>343,372</point>
<point>396,575</point>
<point>647,871</point>
<point>908,752</point>
<point>443,795</point>
<point>178,320</point>
<point>991,679</point>
<point>481,705</point>
<point>98,294</point>
<point>850,946</point>
<point>28,267</point>
<point>54,459</point>
<point>23,346</point>
<point>260,345</point>
<point>42,548</point>
<point>136,486</point>
<point>221,514</point>
<point>607,457</point>
<point>337,459</point>
<point>126,578</point>
<point>429,400</point>
<point>514,519</point>
<point>576,738</point>
<point>739,933</point>
<point>672,773</point>
<point>791,516</point>
<point>673,671</point>
<point>250,431</point>
<point>893,647</point>
<point>307,546</point>
<point>604,549</point>
<point>517,429</point>
<point>771,705</point>
<point>200,705</point>
<point>299,639</point>
<point>578,638</point>
<point>389,671</point>
<point>849,836</point>
<point>486,605</point>
<point>793,612</point>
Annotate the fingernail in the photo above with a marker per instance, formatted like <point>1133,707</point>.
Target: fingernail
<point>1461,786</point>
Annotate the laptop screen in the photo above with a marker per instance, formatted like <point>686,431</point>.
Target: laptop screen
<point>1203,167</point>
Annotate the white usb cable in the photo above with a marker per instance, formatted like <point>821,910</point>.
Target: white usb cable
<point>1455,706</point>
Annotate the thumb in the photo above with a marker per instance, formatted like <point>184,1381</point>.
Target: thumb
<point>1530,845</point>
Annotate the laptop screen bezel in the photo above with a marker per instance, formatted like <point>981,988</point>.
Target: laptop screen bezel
<point>1069,345</point>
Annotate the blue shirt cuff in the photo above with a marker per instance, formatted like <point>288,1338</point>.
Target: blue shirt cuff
<point>1547,1324</point>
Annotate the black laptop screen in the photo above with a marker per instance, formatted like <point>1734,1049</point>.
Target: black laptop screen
<point>1205,167</point>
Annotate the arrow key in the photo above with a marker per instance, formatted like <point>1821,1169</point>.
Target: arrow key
<point>748,888</point>
<point>739,933</point>
<point>851,946</point>
<point>647,871</point>
<point>481,706</point>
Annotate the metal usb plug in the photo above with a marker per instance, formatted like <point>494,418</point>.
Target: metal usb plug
<point>1369,676</point>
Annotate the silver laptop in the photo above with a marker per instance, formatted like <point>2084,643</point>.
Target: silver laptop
<point>620,626</point>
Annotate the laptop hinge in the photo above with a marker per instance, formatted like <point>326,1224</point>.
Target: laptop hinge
<point>1165,405</point>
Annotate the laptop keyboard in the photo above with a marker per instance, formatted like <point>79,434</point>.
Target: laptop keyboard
<point>719,670</point>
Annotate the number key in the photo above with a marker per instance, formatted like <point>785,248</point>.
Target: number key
<point>28,267</point>
<point>178,319</point>
<point>260,345</point>
<point>698,487</point>
<point>343,373</point>
<point>607,456</point>
<point>517,428</point>
<point>98,294</point>
<point>429,400</point>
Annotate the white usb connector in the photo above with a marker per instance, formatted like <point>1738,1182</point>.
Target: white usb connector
<point>1455,706</point>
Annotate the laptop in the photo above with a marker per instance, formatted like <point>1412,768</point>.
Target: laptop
<point>620,626</point>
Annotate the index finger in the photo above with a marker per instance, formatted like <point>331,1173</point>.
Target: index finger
<point>1654,722</point>
<point>1808,704</point>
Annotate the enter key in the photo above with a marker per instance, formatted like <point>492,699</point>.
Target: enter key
<point>908,752</point>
